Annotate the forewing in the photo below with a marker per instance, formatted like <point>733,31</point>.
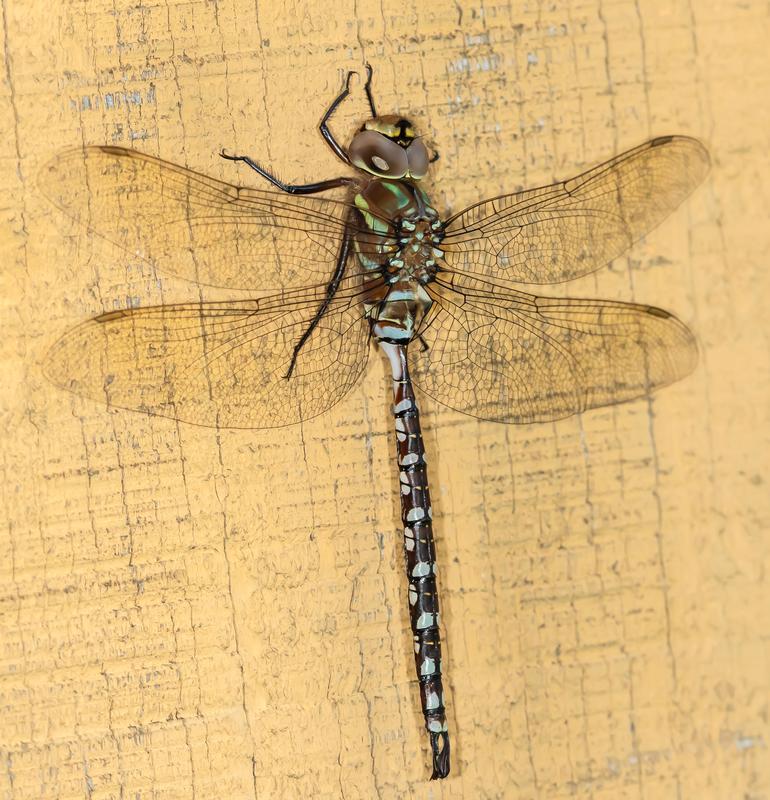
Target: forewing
<point>199,228</point>
<point>560,232</point>
<point>218,364</point>
<point>508,356</point>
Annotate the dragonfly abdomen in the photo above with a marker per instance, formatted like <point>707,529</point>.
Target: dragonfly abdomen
<point>419,556</point>
<point>397,317</point>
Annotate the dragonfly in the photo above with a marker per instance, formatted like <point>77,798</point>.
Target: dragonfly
<point>440,295</point>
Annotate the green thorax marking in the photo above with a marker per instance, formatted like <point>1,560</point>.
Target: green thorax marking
<point>390,200</point>
<point>400,213</point>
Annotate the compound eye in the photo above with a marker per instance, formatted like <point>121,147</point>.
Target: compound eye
<point>417,156</point>
<point>375,153</point>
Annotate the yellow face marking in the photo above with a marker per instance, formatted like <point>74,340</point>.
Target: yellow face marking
<point>395,128</point>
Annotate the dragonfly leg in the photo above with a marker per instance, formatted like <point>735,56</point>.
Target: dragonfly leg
<point>368,88</point>
<point>337,148</point>
<point>331,290</point>
<point>306,188</point>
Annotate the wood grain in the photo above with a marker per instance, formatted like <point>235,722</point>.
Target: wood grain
<point>192,613</point>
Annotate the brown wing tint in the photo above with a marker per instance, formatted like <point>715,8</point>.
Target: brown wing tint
<point>219,364</point>
<point>508,356</point>
<point>196,227</point>
<point>559,232</point>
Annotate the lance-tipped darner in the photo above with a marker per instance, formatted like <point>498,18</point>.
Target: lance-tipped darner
<point>438,295</point>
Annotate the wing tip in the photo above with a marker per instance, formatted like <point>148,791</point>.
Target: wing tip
<point>695,148</point>
<point>686,347</point>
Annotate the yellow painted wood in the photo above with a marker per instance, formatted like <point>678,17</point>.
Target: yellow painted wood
<point>192,613</point>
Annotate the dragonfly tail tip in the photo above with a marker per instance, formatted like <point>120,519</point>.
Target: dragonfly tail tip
<point>439,743</point>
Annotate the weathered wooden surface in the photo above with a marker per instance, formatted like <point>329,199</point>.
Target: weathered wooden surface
<point>191,613</point>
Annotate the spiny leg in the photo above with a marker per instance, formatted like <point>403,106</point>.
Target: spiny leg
<point>305,188</point>
<point>319,186</point>
<point>331,290</point>
<point>368,88</point>
<point>336,147</point>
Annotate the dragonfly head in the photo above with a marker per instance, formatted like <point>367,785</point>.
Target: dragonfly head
<point>388,147</point>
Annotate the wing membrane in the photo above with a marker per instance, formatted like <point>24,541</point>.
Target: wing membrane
<point>508,356</point>
<point>199,228</point>
<point>218,364</point>
<point>560,232</point>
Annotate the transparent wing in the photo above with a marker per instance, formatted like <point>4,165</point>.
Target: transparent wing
<point>508,356</point>
<point>199,228</point>
<point>560,232</point>
<point>219,364</point>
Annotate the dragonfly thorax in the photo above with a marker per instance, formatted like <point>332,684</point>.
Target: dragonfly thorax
<point>406,231</point>
<point>418,249</point>
<point>404,248</point>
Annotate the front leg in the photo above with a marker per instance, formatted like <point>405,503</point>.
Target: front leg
<point>304,188</point>
<point>336,147</point>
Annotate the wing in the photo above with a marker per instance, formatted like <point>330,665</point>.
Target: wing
<point>508,356</point>
<point>219,364</point>
<point>560,232</point>
<point>199,228</point>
